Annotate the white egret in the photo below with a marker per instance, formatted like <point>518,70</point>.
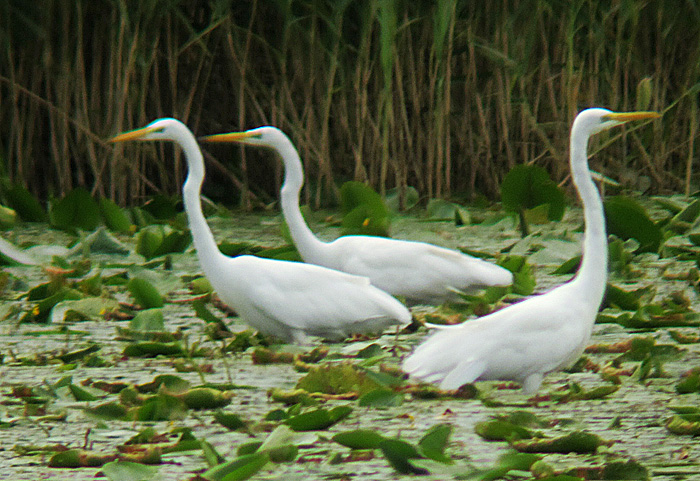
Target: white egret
<point>418,271</point>
<point>543,333</point>
<point>289,300</point>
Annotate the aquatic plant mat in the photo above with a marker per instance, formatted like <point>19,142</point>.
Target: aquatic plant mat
<point>115,368</point>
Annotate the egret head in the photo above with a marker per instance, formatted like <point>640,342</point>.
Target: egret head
<point>262,136</point>
<point>596,120</point>
<point>160,129</point>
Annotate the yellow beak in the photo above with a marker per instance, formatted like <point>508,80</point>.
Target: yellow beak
<point>132,134</point>
<point>627,116</point>
<point>230,137</point>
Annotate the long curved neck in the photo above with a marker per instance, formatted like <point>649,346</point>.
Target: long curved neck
<point>306,242</point>
<point>204,242</point>
<point>593,273</point>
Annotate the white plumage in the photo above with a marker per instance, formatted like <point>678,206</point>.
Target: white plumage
<point>289,300</point>
<point>544,333</point>
<point>415,270</point>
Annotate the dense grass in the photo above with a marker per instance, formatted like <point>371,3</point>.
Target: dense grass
<point>442,96</point>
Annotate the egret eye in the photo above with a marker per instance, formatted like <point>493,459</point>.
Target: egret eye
<point>257,136</point>
<point>159,130</point>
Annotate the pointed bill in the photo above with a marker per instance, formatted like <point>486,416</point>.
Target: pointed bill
<point>132,134</point>
<point>230,137</point>
<point>627,116</point>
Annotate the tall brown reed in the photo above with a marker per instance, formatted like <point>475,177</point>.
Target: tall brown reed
<point>442,96</point>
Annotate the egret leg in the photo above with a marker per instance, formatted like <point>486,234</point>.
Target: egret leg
<point>532,383</point>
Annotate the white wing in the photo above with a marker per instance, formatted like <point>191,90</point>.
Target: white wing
<point>309,298</point>
<point>413,269</point>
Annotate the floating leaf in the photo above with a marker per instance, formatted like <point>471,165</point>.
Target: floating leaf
<point>230,421</point>
<point>159,407</point>
<point>576,442</point>
<point>241,468</point>
<point>318,419</point>
<point>79,458</point>
<point>499,430</point>
<point>128,471</point>
<point>359,439</point>
<point>381,398</point>
<point>148,320</point>
<point>205,398</point>
<point>338,378</point>
<point>144,293</point>
<point>626,219</point>
<point>678,424</point>
<point>79,354</point>
<point>77,210</point>
<point>399,453</point>
<point>108,411</point>
<point>433,443</point>
<point>158,240</point>
<point>153,349</point>
<point>511,461</point>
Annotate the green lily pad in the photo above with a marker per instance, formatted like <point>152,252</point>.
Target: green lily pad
<point>579,442</point>
<point>626,219</point>
<point>145,294</point>
<point>364,211</point>
<point>318,419</point>
<point>529,186</point>
<point>359,439</point>
<point>77,210</point>
<point>127,471</point>
<point>115,217</point>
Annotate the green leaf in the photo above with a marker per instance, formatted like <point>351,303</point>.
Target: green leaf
<point>8,217</point>
<point>363,210</point>
<point>411,198</point>
<point>529,186</point>
<point>499,430</point>
<point>128,471</point>
<point>241,468</point>
<point>338,378</point>
<point>158,240</point>
<point>359,439</point>
<point>627,219</point>
<point>80,394</point>
<point>77,210</point>
<point>161,207</point>
<point>24,203</point>
<point>230,421</point>
<point>153,349</point>
<point>144,293</point>
<point>160,407</point>
<point>678,424</point>
<point>399,453</point>
<point>148,320</point>
<point>211,455</point>
<point>317,419</point>
<point>523,277</point>
<point>73,356</point>
<point>108,411</point>
<point>114,216</point>
<point>381,399</point>
<point>576,442</point>
<point>434,442</point>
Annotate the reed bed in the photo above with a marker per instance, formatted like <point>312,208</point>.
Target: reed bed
<point>442,96</point>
